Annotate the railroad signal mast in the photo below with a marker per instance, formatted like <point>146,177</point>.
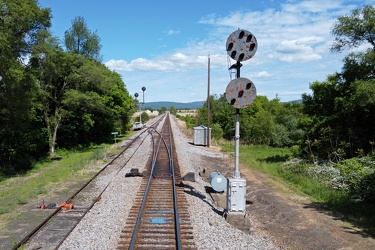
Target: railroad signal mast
<point>240,93</point>
<point>139,103</point>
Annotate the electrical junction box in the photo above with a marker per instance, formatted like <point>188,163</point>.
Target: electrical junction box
<point>236,192</point>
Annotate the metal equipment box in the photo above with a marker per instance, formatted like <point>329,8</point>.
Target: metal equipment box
<point>200,135</point>
<point>218,181</point>
<point>236,192</point>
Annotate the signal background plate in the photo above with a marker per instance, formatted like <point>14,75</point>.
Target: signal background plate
<point>235,87</point>
<point>238,44</point>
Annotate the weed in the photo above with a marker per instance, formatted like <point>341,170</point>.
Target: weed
<point>4,210</point>
<point>21,201</point>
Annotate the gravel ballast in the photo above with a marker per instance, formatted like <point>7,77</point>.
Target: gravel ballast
<point>101,227</point>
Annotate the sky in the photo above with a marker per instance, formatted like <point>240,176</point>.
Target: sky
<point>164,45</point>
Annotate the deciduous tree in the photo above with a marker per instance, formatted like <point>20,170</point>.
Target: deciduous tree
<point>354,30</point>
<point>20,21</point>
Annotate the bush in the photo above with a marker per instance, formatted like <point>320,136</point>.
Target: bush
<point>367,189</point>
<point>295,166</point>
<point>357,173</point>
<point>190,121</point>
<point>216,131</point>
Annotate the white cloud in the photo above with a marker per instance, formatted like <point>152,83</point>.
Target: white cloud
<point>294,51</point>
<point>314,6</point>
<point>172,32</point>
<point>174,62</point>
<point>263,74</point>
<point>311,40</point>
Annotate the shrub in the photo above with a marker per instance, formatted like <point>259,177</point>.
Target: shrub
<point>356,173</point>
<point>190,121</point>
<point>216,131</point>
<point>367,189</point>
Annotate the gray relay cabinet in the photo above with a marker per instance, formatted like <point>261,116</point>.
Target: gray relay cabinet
<point>200,135</point>
<point>236,190</point>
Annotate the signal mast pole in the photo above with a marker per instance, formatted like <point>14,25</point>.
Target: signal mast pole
<point>237,133</point>
<point>240,93</point>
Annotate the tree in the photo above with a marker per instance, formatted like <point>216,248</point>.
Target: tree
<point>52,67</point>
<point>354,30</point>
<point>342,108</point>
<point>173,110</point>
<point>20,22</point>
<point>145,117</point>
<point>162,110</point>
<point>221,113</point>
<point>257,122</point>
<point>80,40</point>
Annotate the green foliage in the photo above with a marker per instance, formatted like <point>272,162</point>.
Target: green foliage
<point>356,172</point>
<point>264,122</point>
<point>189,120</point>
<point>220,113</point>
<point>20,191</point>
<point>366,189</point>
<point>352,31</point>
<point>263,158</point>
<point>80,40</point>
<point>99,95</point>
<point>352,177</point>
<point>162,110</point>
<point>322,183</point>
<point>342,109</point>
<point>173,110</point>
<point>216,131</point>
<point>145,117</point>
<point>61,96</point>
<point>21,21</point>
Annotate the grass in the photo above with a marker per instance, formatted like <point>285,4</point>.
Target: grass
<point>269,160</point>
<point>20,190</point>
<point>47,175</point>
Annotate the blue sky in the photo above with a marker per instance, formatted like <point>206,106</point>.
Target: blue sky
<point>164,45</point>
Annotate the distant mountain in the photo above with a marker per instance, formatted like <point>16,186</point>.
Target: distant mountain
<point>297,101</point>
<point>176,105</point>
<point>181,105</point>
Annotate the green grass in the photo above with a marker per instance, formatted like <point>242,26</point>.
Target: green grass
<point>262,158</point>
<point>20,190</point>
<point>47,175</point>
<point>269,160</point>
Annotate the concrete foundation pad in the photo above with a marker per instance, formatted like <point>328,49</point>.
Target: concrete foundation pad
<point>220,199</point>
<point>189,177</point>
<point>239,221</point>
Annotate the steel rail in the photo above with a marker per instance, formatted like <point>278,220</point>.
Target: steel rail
<point>139,217</point>
<point>175,203</point>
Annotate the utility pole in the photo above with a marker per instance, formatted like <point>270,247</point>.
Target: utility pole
<point>208,105</point>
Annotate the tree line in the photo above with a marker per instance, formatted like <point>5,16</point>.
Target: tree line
<point>51,97</point>
<point>335,122</point>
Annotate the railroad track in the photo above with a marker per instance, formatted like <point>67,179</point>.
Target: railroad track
<point>159,218</point>
<point>54,229</point>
